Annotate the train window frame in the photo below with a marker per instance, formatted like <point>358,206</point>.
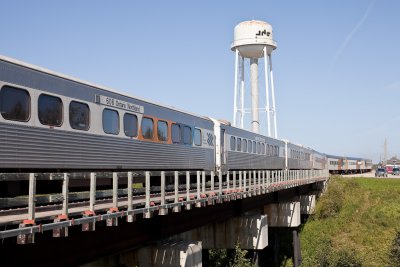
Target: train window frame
<point>263,148</point>
<point>233,143</point>
<point>185,135</point>
<point>117,120</point>
<point>239,144</point>
<point>145,119</point>
<point>259,148</point>
<point>7,87</point>
<point>135,129</point>
<point>60,108</point>
<point>158,132</point>
<point>254,147</point>
<point>87,116</point>
<point>244,145</point>
<point>197,137</point>
<point>173,133</point>
<point>250,146</point>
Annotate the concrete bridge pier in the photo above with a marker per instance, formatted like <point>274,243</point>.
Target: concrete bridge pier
<point>168,254</point>
<point>284,214</point>
<point>307,203</point>
<point>171,253</point>
<point>283,219</point>
<point>250,231</point>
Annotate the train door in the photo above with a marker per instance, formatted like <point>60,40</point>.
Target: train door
<point>223,152</point>
<point>220,155</point>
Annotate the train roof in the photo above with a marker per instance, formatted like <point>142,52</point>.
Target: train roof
<point>343,157</point>
<point>70,78</point>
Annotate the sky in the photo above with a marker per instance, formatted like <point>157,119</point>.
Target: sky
<point>336,67</point>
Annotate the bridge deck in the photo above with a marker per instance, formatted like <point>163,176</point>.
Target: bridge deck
<point>235,185</point>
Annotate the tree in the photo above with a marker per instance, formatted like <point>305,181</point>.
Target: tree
<point>240,259</point>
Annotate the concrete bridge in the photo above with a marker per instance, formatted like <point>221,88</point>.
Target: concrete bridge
<point>167,222</point>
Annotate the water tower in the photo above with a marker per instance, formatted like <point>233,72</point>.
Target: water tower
<point>253,40</point>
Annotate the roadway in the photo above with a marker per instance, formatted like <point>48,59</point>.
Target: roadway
<point>370,175</point>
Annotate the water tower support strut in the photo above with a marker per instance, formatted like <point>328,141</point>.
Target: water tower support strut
<point>242,92</point>
<point>236,93</point>
<point>255,123</point>
<point>267,108</point>
<point>273,95</point>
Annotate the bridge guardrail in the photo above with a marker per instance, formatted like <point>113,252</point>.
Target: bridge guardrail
<point>198,189</point>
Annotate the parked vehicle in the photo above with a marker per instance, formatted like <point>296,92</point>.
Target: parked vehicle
<point>381,172</point>
<point>396,171</point>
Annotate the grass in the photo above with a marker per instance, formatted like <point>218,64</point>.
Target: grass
<point>355,224</point>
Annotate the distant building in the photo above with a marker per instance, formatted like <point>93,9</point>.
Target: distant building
<point>393,161</point>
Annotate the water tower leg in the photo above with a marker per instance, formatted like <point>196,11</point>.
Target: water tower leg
<point>235,91</point>
<point>242,92</point>
<point>254,94</point>
<point>267,90</point>
<point>273,95</point>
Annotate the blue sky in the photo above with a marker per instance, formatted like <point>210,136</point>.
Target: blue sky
<point>336,68</point>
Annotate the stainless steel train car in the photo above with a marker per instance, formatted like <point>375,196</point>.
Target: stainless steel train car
<point>298,157</point>
<point>319,160</point>
<point>239,149</point>
<point>348,165</point>
<point>53,122</point>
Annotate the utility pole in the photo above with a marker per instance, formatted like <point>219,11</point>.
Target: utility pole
<point>385,151</point>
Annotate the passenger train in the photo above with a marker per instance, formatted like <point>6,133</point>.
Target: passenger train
<point>348,165</point>
<point>51,122</point>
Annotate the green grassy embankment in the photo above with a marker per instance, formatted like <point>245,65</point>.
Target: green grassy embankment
<point>355,224</point>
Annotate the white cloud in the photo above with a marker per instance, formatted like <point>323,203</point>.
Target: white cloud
<point>352,33</point>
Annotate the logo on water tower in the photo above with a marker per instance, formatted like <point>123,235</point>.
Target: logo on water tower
<point>261,33</point>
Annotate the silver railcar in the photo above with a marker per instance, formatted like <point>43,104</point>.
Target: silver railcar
<point>51,121</point>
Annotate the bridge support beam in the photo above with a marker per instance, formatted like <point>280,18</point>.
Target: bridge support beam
<point>307,203</point>
<point>171,253</point>
<point>250,231</point>
<point>284,214</point>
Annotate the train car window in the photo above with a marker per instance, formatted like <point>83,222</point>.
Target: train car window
<point>197,137</point>
<point>277,151</point>
<point>250,147</point>
<point>233,143</point>
<point>263,148</point>
<point>187,135</point>
<point>147,127</point>
<point>176,133</point>
<point>110,121</point>
<point>254,147</point>
<point>258,148</point>
<point>79,116</point>
<point>162,130</point>
<point>239,144</point>
<point>244,145</point>
<point>130,125</point>
<point>15,104</point>
<point>50,109</point>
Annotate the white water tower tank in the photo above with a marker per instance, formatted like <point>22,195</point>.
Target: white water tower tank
<point>253,40</point>
<point>250,38</point>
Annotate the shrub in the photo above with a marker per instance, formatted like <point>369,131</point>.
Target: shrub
<point>332,201</point>
<point>346,258</point>
<point>395,251</point>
